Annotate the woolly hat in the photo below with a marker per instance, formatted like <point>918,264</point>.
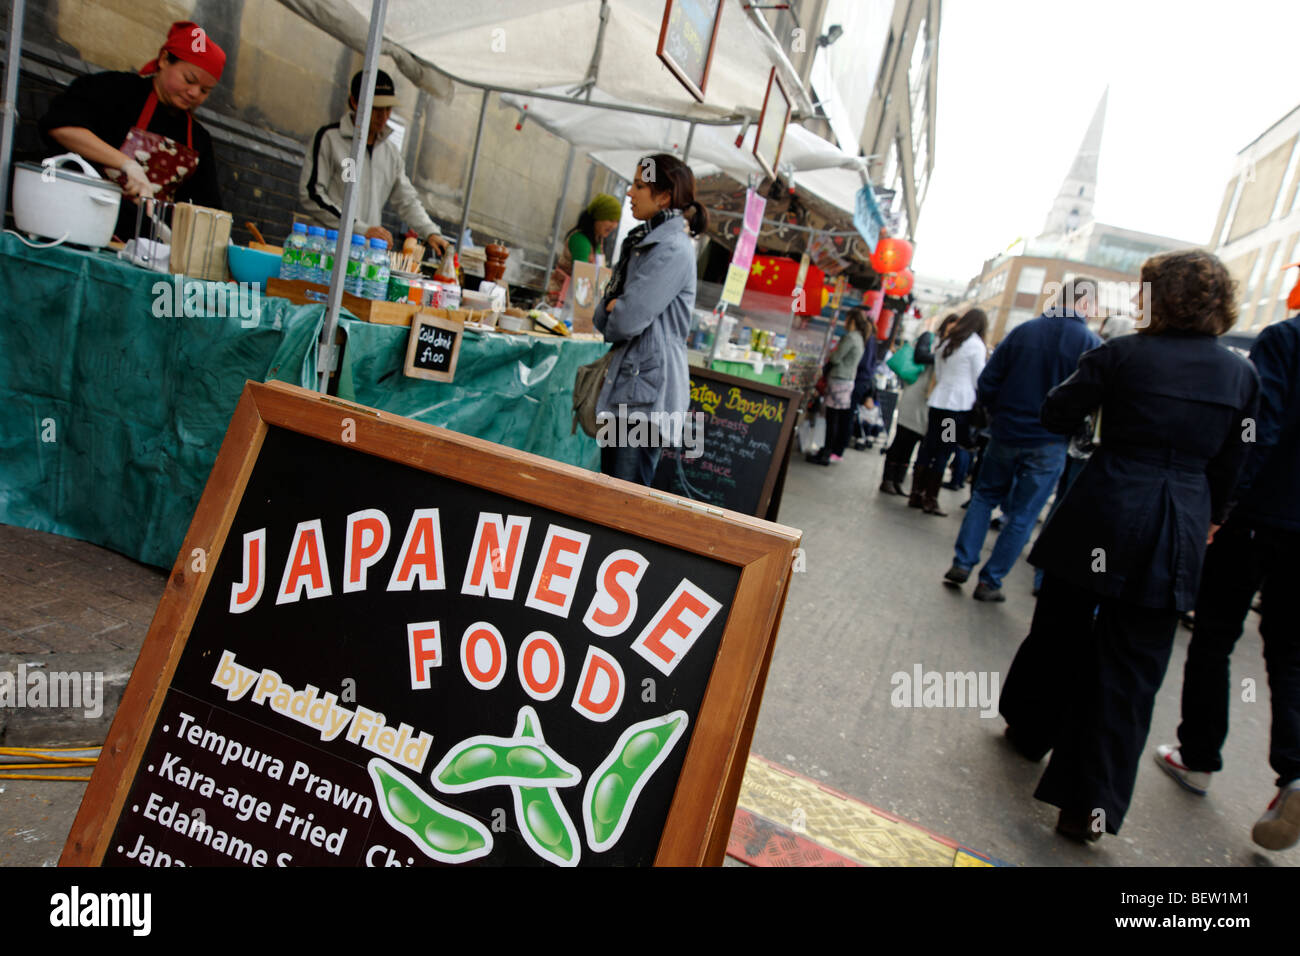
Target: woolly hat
<point>605,208</point>
<point>190,42</point>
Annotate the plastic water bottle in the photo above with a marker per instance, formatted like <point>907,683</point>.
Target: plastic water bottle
<point>313,256</point>
<point>377,271</point>
<point>327,258</point>
<point>352,281</point>
<point>291,261</point>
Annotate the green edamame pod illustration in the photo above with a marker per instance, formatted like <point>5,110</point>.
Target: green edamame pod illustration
<point>483,761</point>
<point>613,787</point>
<point>444,834</point>
<point>544,823</point>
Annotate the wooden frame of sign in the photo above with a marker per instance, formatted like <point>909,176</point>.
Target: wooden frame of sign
<point>773,82</point>
<point>279,432</point>
<point>695,85</point>
<point>420,352</point>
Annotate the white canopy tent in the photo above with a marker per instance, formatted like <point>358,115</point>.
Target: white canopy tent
<point>601,50</point>
<point>527,45</point>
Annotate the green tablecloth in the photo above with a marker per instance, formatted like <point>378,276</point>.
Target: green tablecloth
<point>516,390</point>
<point>117,384</point>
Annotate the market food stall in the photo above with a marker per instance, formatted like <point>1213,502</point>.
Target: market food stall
<point>119,380</point>
<point>117,384</point>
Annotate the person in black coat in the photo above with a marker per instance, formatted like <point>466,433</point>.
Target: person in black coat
<point>1257,549</point>
<point>864,383</point>
<point>1122,554</point>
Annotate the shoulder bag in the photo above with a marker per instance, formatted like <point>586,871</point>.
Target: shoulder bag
<point>587,383</point>
<point>903,364</point>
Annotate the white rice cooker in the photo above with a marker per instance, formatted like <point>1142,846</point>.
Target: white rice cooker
<point>73,207</point>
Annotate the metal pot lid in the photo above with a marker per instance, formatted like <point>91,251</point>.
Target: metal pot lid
<point>69,176</point>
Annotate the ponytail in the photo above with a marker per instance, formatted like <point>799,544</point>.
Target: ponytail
<point>667,174</point>
<point>696,216</point>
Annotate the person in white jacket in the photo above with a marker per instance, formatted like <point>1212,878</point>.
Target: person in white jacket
<point>381,178</point>
<point>958,360</point>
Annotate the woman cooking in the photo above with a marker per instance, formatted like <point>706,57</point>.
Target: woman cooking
<point>583,241</point>
<point>140,129</point>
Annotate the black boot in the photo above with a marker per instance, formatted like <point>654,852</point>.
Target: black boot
<point>930,494</point>
<point>920,476</point>
<point>894,473</point>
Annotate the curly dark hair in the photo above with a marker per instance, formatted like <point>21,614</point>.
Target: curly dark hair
<point>1189,291</point>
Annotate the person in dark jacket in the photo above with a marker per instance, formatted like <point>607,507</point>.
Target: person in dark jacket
<point>912,413</point>
<point>864,383</point>
<point>1258,548</point>
<point>1023,460</point>
<point>1123,552</point>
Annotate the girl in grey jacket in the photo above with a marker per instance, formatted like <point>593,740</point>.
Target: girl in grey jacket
<point>646,314</point>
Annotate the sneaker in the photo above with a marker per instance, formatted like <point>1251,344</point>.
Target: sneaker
<point>836,458</point>
<point>1279,827</point>
<point>956,575</point>
<point>984,592</point>
<point>1170,760</point>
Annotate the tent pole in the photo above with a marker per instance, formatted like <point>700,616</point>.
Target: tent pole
<point>690,135</point>
<point>13,60</point>
<point>593,70</point>
<point>473,169</point>
<point>559,216</point>
<point>327,354</point>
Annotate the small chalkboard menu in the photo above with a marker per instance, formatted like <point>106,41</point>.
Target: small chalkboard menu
<point>772,123</point>
<point>386,644</point>
<point>687,37</point>
<point>745,428</point>
<point>433,347</point>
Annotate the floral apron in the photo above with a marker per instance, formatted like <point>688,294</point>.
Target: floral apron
<point>166,162</point>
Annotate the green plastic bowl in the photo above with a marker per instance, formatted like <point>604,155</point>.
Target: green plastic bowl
<point>252,265</point>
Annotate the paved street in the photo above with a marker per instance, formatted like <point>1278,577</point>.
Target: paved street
<point>870,604</point>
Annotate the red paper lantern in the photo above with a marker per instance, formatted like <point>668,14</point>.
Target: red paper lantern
<point>891,255</point>
<point>899,284</point>
<point>885,325</point>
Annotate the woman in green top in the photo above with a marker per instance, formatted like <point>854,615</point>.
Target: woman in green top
<point>597,221</point>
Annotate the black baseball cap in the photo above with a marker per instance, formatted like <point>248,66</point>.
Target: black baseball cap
<point>385,92</point>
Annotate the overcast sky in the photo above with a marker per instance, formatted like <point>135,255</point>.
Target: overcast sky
<point>1192,82</point>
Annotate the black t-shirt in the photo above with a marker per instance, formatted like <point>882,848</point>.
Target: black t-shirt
<point>109,104</point>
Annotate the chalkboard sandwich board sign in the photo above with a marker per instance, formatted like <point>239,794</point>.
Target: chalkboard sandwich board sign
<point>433,347</point>
<point>746,429</point>
<point>388,644</point>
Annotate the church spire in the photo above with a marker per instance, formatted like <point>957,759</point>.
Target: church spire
<point>1073,205</point>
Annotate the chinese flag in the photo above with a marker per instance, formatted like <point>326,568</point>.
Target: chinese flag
<point>772,278</point>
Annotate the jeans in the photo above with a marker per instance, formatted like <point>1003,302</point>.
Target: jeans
<point>630,463</point>
<point>1028,475</point>
<point>961,460</point>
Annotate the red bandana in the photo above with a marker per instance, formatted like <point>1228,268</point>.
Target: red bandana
<point>190,42</point>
